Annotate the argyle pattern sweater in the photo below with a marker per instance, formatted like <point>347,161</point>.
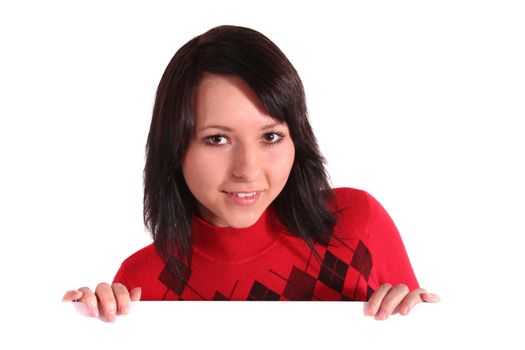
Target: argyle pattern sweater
<point>266,262</point>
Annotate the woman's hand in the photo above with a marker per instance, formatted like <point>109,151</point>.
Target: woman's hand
<point>387,300</point>
<point>108,301</point>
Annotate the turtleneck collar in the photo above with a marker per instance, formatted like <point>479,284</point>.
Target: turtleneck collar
<point>234,245</point>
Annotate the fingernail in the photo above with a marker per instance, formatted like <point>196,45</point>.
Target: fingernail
<point>125,309</point>
<point>428,297</point>
<point>93,310</point>
<point>403,310</point>
<point>111,316</point>
<point>382,315</point>
<point>371,310</point>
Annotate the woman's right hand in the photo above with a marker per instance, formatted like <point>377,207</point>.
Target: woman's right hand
<point>107,300</point>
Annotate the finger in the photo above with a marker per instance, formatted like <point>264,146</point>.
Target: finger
<point>122,297</point>
<point>391,300</point>
<point>72,295</point>
<point>411,300</point>
<point>430,298</point>
<point>135,294</point>
<point>377,297</point>
<point>107,301</point>
<point>89,298</point>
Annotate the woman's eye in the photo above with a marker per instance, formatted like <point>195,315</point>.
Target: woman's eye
<point>217,140</point>
<point>272,137</point>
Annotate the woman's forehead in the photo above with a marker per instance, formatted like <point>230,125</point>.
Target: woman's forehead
<point>227,100</point>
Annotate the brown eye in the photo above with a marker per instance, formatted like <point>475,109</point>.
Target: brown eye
<point>216,140</point>
<point>272,137</point>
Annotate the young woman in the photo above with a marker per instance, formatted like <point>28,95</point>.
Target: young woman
<point>237,198</point>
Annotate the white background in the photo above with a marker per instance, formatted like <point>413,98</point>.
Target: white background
<point>420,103</point>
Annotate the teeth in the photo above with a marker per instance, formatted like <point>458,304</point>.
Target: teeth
<point>244,195</point>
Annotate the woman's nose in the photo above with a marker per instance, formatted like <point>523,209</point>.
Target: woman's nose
<point>246,165</point>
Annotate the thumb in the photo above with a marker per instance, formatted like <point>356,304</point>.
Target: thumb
<point>430,298</point>
<point>72,295</point>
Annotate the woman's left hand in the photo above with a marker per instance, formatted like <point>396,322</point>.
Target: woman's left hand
<point>387,300</point>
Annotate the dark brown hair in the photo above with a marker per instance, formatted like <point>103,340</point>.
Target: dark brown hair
<point>251,56</point>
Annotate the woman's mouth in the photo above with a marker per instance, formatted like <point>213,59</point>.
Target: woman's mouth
<point>244,198</point>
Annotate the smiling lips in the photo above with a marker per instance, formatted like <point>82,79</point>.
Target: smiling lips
<point>244,198</point>
<point>244,194</point>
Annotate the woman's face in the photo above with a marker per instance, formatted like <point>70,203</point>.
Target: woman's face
<point>240,158</point>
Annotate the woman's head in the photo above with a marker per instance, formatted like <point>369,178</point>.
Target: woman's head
<point>240,158</point>
<point>245,64</point>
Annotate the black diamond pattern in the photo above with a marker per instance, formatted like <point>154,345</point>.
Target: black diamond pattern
<point>220,296</point>
<point>169,279</point>
<point>300,285</point>
<point>333,272</point>
<point>260,292</point>
<point>362,260</point>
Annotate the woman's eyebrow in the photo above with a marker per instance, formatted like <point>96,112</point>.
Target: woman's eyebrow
<point>226,128</point>
<point>220,127</point>
<point>271,126</point>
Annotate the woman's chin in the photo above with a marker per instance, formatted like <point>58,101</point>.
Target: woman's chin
<point>243,221</point>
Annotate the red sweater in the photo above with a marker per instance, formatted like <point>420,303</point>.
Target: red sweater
<point>266,262</point>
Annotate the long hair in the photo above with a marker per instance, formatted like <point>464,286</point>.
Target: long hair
<point>230,50</point>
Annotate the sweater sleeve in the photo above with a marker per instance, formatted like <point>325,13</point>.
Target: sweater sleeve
<point>390,259</point>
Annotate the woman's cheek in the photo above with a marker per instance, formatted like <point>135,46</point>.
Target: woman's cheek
<point>209,165</point>
<point>196,167</point>
<point>280,163</point>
